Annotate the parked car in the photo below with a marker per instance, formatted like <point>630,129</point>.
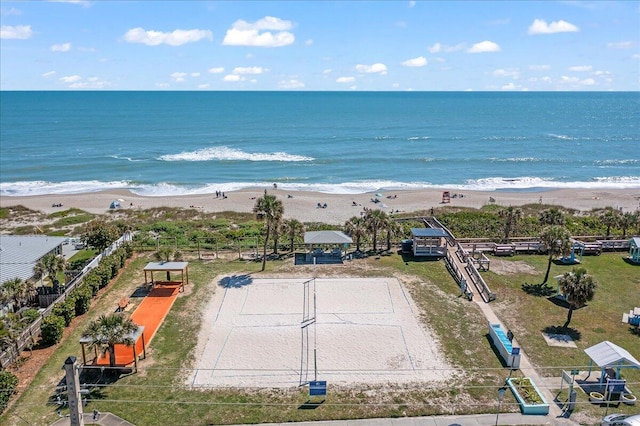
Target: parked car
<point>621,420</point>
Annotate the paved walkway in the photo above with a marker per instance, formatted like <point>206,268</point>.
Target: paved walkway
<point>471,420</point>
<point>104,419</point>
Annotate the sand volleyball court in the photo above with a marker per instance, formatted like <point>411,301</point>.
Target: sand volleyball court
<point>261,333</point>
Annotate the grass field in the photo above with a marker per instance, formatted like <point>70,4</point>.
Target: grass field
<point>156,392</point>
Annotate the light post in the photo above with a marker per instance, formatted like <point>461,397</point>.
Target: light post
<point>501,392</point>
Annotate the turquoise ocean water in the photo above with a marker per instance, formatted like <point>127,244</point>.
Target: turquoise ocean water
<point>163,143</point>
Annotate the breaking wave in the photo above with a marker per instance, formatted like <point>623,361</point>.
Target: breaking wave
<point>224,153</point>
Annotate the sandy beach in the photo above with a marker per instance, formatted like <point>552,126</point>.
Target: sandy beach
<point>339,208</point>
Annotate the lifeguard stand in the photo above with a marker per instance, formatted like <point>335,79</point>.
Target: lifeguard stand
<point>446,197</point>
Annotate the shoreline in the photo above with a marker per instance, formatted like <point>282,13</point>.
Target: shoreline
<point>303,205</point>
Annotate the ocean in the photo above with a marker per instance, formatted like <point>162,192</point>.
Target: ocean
<point>176,143</point>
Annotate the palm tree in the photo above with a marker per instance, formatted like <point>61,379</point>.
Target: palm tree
<point>293,228</point>
<point>511,216</point>
<point>16,290</point>
<point>578,288</point>
<point>627,220</point>
<point>375,220</point>
<point>50,265</point>
<point>269,208</point>
<point>392,228</point>
<point>108,331</point>
<point>356,228</point>
<point>610,218</point>
<point>558,241</point>
<point>552,216</point>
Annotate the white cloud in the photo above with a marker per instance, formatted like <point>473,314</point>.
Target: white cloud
<point>511,73</point>
<point>420,61</point>
<point>412,3</point>
<point>174,38</point>
<point>70,78</point>
<point>599,73</point>
<point>484,46</point>
<point>581,68</point>
<point>259,33</point>
<point>13,11</point>
<point>577,81</point>
<point>232,77</point>
<point>539,67</point>
<point>19,32</point>
<point>308,42</point>
<point>438,47</point>
<point>249,70</point>
<point>540,26</point>
<point>345,79</point>
<point>65,47</point>
<point>291,84</point>
<point>620,45</point>
<point>587,82</point>
<point>216,70</point>
<point>635,56</point>
<point>372,69</point>
<point>195,74</point>
<point>510,86</point>
<point>178,76</point>
<point>48,74</point>
<point>204,86</point>
<point>327,71</point>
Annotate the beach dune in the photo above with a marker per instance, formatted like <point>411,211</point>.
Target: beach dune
<point>305,206</point>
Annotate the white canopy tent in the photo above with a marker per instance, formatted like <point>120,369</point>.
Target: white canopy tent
<point>609,355</point>
<point>326,237</point>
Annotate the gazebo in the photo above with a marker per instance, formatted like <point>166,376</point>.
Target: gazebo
<point>122,359</point>
<point>611,358</point>
<point>319,239</point>
<point>634,250</point>
<point>429,242</point>
<point>168,267</point>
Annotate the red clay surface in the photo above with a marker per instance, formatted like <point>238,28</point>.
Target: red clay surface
<point>150,314</point>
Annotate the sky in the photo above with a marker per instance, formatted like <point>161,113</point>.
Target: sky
<point>320,45</point>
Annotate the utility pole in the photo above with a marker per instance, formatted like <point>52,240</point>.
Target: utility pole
<point>73,391</point>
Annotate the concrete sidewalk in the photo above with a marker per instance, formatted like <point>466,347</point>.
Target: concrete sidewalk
<point>467,420</point>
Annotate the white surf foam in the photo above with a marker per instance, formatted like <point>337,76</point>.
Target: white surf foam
<point>224,153</point>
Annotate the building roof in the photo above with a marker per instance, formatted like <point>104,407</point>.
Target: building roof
<point>635,241</point>
<point>607,354</point>
<point>326,237</point>
<point>20,253</point>
<point>428,232</point>
<point>166,266</point>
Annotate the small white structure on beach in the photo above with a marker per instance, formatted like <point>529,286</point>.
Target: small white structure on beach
<point>611,358</point>
<point>429,242</point>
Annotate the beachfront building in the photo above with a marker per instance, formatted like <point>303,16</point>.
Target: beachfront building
<point>19,254</point>
<point>429,242</point>
<point>634,250</point>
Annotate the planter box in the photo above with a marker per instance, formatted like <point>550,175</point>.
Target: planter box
<point>526,408</point>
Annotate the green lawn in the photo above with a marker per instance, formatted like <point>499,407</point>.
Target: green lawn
<point>156,392</point>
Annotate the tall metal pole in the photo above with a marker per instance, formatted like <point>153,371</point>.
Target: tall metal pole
<point>500,397</point>
<point>73,391</point>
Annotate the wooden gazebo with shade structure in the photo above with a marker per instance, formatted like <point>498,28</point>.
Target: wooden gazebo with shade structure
<point>168,267</point>
<point>124,354</point>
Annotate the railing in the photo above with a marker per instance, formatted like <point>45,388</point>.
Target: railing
<point>482,287</point>
<point>29,334</point>
<point>458,275</point>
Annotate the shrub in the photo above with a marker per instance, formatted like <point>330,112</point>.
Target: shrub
<point>82,296</point>
<point>8,385</point>
<point>30,315</point>
<point>51,330</point>
<point>66,310</point>
<point>92,280</point>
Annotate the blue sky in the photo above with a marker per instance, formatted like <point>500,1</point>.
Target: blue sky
<point>321,45</point>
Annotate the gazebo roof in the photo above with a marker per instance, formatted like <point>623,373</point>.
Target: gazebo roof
<point>133,336</point>
<point>428,232</point>
<point>166,266</point>
<point>327,237</point>
<point>607,354</point>
<point>635,241</point>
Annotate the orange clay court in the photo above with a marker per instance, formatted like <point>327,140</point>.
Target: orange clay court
<point>150,314</point>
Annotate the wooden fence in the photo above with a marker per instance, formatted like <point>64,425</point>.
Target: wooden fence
<point>29,335</point>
